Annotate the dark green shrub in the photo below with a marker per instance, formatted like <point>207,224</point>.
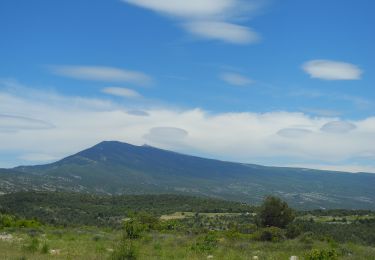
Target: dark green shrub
<point>271,234</point>
<point>293,231</point>
<point>275,213</point>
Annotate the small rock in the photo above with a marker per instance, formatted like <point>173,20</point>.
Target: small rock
<point>54,251</point>
<point>210,257</point>
<point>6,237</point>
<point>255,257</point>
<point>293,257</point>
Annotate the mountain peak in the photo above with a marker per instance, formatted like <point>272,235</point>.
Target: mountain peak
<point>120,168</point>
<point>103,143</point>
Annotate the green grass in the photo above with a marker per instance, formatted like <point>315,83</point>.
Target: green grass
<point>95,243</point>
<point>79,243</point>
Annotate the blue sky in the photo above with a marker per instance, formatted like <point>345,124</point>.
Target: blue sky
<point>270,75</point>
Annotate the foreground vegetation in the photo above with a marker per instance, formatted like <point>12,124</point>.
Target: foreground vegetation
<point>85,243</point>
<point>214,230</point>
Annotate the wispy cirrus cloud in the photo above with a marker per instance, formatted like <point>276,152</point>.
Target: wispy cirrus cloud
<point>209,19</point>
<point>101,73</point>
<point>332,70</point>
<point>13,123</point>
<point>121,92</point>
<point>236,79</point>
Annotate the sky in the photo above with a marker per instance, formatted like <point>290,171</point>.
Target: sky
<point>272,82</point>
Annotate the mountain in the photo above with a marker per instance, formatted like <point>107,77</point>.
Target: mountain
<point>120,168</point>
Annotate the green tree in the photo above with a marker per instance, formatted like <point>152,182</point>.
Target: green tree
<point>275,213</point>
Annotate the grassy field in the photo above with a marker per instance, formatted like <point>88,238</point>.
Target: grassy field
<point>90,227</point>
<point>94,243</point>
<point>50,243</point>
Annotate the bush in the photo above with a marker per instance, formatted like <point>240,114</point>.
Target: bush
<point>206,243</point>
<point>275,213</point>
<point>307,238</point>
<point>6,221</point>
<point>316,254</point>
<point>23,223</point>
<point>133,229</point>
<point>271,234</point>
<point>11,221</point>
<point>148,221</point>
<point>293,231</point>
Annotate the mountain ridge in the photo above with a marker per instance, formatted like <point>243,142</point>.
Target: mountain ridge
<point>112,167</point>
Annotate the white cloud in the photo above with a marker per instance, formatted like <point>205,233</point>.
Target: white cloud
<point>246,137</point>
<point>121,92</point>
<point>236,79</point>
<point>338,127</point>
<point>332,70</point>
<point>209,19</point>
<point>100,73</point>
<point>191,8</point>
<point>223,31</point>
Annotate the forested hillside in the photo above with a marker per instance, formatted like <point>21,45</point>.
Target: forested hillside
<point>120,168</point>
